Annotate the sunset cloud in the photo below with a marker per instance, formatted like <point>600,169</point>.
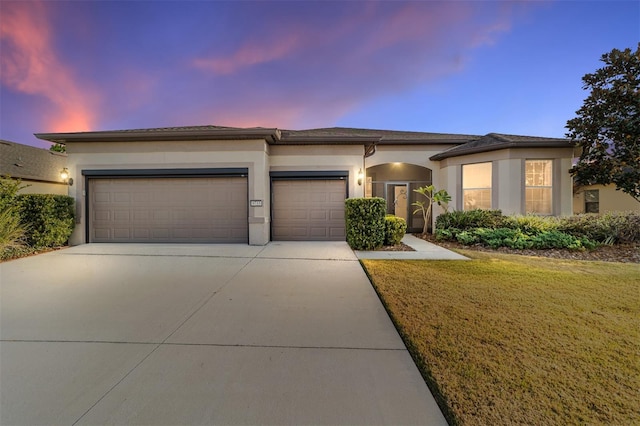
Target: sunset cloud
<point>29,65</point>
<point>99,65</point>
<point>324,65</point>
<point>250,55</point>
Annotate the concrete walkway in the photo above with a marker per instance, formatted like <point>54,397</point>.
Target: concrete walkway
<point>424,250</point>
<point>289,333</point>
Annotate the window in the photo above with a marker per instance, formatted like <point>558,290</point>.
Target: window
<point>592,201</point>
<point>476,186</point>
<point>538,186</point>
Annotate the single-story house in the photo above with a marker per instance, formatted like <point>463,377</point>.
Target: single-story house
<point>255,185</point>
<point>38,169</point>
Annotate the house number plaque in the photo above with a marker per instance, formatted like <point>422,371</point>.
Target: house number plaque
<point>255,203</point>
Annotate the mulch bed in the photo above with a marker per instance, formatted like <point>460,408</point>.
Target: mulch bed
<point>626,253</point>
<point>397,247</point>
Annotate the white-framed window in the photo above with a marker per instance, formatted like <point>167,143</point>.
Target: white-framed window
<point>592,201</point>
<point>476,186</point>
<point>539,186</point>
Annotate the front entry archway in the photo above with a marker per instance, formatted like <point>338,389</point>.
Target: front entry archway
<point>396,182</point>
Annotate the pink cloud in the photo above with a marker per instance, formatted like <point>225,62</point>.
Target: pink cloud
<point>29,65</point>
<point>323,67</point>
<point>251,54</point>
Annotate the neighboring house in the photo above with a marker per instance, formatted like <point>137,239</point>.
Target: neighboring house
<point>224,184</point>
<point>602,199</point>
<point>38,169</point>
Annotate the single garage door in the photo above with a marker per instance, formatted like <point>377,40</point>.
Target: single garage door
<point>308,210</point>
<point>169,210</point>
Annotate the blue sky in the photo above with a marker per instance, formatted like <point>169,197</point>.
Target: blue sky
<point>470,67</point>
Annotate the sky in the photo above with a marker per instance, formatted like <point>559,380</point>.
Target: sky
<point>467,67</point>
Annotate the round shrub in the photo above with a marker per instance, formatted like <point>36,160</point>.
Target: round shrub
<point>395,228</point>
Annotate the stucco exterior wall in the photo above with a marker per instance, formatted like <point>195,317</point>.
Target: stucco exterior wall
<point>250,154</point>
<point>44,188</point>
<point>508,178</point>
<point>410,154</point>
<point>321,158</point>
<point>610,200</point>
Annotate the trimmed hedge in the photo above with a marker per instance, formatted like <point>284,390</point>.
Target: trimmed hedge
<point>395,228</point>
<point>365,222</point>
<point>48,218</point>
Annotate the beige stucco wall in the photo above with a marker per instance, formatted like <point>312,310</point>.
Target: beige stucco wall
<point>44,188</point>
<point>256,155</point>
<point>410,154</point>
<point>260,159</point>
<point>508,178</point>
<point>320,158</point>
<point>610,199</point>
<point>250,154</point>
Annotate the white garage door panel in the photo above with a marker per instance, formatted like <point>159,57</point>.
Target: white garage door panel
<point>205,210</point>
<point>308,210</point>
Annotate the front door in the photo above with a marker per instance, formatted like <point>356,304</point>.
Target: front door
<point>398,194</point>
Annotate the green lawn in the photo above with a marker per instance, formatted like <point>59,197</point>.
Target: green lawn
<point>505,339</point>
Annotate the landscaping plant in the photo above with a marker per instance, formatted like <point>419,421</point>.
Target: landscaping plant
<point>395,228</point>
<point>579,232</point>
<point>425,207</point>
<point>50,218</point>
<point>12,232</point>
<point>365,222</point>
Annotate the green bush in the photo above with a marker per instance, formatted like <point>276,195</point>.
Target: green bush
<point>394,229</point>
<point>365,222</point>
<point>9,191</point>
<point>49,218</point>
<point>470,219</point>
<point>467,237</point>
<point>531,224</point>
<point>604,228</point>
<point>629,229</point>
<point>12,233</point>
<point>560,240</point>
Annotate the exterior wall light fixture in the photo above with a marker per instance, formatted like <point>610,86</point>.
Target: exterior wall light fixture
<point>360,177</point>
<point>64,174</point>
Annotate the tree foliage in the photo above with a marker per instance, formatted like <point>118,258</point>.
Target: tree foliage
<point>607,127</point>
<point>58,147</point>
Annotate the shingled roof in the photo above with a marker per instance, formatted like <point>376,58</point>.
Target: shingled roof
<point>329,135</point>
<point>30,163</point>
<point>382,137</point>
<point>462,144</point>
<point>496,141</point>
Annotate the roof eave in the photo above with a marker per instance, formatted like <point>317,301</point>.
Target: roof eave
<point>271,135</point>
<point>497,147</point>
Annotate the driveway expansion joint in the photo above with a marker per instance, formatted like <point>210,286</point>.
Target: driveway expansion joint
<point>219,345</point>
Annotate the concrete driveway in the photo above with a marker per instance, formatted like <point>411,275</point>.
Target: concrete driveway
<point>289,333</point>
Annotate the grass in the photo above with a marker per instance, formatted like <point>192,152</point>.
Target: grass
<point>505,339</point>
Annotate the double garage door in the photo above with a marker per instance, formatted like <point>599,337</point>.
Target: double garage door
<point>172,209</point>
<point>210,209</point>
